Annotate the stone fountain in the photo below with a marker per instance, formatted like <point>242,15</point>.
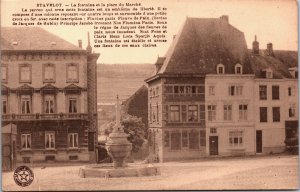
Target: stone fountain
<point>118,148</point>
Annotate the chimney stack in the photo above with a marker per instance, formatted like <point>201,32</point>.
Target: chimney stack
<point>255,46</point>
<point>89,47</point>
<point>80,43</point>
<point>269,51</point>
<point>225,18</point>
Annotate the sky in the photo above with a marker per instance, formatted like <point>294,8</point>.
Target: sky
<point>272,21</point>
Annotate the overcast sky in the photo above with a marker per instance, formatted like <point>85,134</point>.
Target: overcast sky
<point>271,20</point>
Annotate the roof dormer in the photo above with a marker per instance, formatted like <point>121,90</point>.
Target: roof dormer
<point>238,69</point>
<point>220,69</point>
<point>294,72</point>
<point>268,73</point>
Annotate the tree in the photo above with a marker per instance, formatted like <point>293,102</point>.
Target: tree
<point>135,129</point>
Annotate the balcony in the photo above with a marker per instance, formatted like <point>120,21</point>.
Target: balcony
<point>37,116</point>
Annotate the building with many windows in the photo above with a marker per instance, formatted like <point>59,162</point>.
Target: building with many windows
<point>205,95</point>
<point>49,93</point>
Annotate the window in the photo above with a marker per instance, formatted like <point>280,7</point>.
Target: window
<point>73,140</point>
<point>238,69</point>
<point>292,110</point>
<point>175,140</point>
<point>49,103</point>
<point>181,90</point>
<point>157,91</point>
<point>194,139</point>
<point>236,138</point>
<point>49,140</point>
<point>150,92</point>
<point>157,112</point>
<point>291,91</point>
<point>73,105</point>
<point>194,90</point>
<point>243,112</point>
<point>276,114</point>
<point>220,69</point>
<point>192,113</point>
<point>263,111</point>
<point>49,73</point>
<point>263,92</point>
<point>25,104</point>
<point>211,90</point>
<point>188,90</point>
<point>4,74</point>
<point>269,74</point>
<point>72,73</point>
<point>202,115</point>
<point>275,92</point>
<point>227,112</point>
<point>25,73</point>
<point>183,113</point>
<point>213,130</point>
<point>4,106</point>
<point>167,139</point>
<point>211,112</point>
<point>176,89</point>
<point>153,114</point>
<point>174,113</point>
<point>184,139</point>
<point>202,139</point>
<point>25,141</point>
<point>235,90</point>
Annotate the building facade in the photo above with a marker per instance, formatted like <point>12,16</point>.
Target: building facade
<point>49,93</point>
<point>204,97</point>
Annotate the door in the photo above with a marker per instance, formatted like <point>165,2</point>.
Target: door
<point>259,141</point>
<point>213,145</point>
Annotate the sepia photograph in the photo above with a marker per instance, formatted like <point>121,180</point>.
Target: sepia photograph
<point>149,95</point>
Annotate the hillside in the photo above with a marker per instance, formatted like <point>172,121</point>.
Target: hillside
<point>122,79</point>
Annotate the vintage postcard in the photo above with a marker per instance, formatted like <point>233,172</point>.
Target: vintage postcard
<point>149,95</point>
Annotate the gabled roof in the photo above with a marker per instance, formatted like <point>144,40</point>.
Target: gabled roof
<point>33,38</point>
<point>202,43</point>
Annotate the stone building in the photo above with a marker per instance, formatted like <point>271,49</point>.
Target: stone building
<point>49,93</point>
<point>203,96</point>
<point>275,97</point>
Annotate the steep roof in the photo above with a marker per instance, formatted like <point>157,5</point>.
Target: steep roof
<point>279,63</point>
<point>202,43</point>
<point>33,38</point>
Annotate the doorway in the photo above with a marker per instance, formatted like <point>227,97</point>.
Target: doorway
<point>259,141</point>
<point>213,145</point>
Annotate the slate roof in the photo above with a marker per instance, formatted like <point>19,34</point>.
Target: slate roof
<point>203,43</point>
<point>279,64</point>
<point>33,38</point>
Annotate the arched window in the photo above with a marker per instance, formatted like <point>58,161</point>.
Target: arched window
<point>238,69</point>
<point>220,69</point>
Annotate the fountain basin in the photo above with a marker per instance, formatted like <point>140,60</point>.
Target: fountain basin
<point>107,170</point>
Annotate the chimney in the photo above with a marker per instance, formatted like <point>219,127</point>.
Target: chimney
<point>255,46</point>
<point>80,43</point>
<point>89,47</point>
<point>159,63</point>
<point>269,51</point>
<point>225,18</point>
